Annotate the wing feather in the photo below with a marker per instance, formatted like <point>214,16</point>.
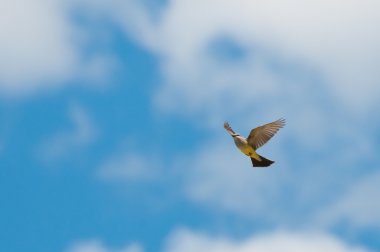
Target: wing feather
<point>228,128</point>
<point>261,135</point>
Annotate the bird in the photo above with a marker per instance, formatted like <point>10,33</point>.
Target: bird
<point>257,138</point>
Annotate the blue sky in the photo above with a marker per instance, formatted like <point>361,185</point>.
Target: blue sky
<point>112,139</point>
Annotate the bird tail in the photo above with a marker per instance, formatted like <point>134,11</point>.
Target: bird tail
<point>263,163</point>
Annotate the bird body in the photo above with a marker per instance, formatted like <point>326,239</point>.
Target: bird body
<point>257,138</point>
<point>244,147</point>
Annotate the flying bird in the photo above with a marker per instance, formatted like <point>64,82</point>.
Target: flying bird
<point>257,138</point>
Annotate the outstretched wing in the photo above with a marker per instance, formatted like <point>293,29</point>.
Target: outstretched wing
<point>228,128</point>
<point>260,135</point>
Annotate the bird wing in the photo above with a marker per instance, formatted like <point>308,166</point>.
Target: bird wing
<point>228,128</point>
<point>260,135</point>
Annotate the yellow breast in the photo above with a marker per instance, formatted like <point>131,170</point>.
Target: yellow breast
<point>249,151</point>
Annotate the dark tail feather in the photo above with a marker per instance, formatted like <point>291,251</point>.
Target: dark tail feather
<point>263,163</point>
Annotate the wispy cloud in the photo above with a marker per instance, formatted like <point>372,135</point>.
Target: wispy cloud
<point>97,246</point>
<point>188,241</point>
<point>129,166</point>
<point>66,142</point>
<point>357,207</point>
<point>185,240</point>
<point>221,178</point>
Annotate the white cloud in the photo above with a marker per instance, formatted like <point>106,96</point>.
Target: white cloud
<point>40,48</point>
<point>97,246</point>
<point>66,142</point>
<point>358,206</point>
<point>301,61</point>
<point>128,166</point>
<point>336,40</point>
<point>35,44</point>
<point>188,241</point>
